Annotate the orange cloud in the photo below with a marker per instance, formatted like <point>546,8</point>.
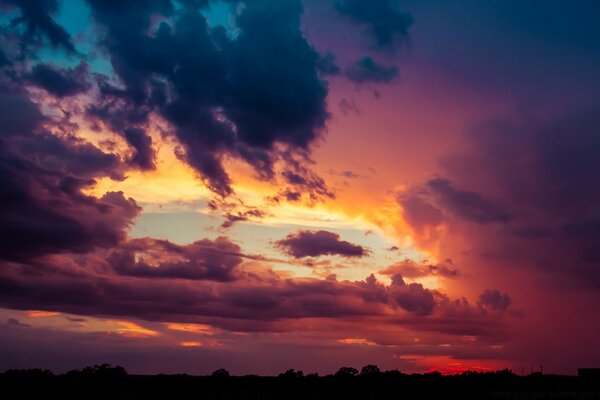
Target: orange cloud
<point>130,329</point>
<point>359,341</point>
<point>191,344</point>
<point>193,328</point>
<point>39,313</point>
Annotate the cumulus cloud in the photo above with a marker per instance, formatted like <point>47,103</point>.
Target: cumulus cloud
<point>238,96</point>
<point>37,19</point>
<point>436,201</point>
<point>167,282</point>
<point>412,297</point>
<point>326,64</point>
<point>144,155</point>
<point>494,299</point>
<point>466,204</point>
<point>410,269</point>
<point>43,207</point>
<point>318,243</point>
<point>202,260</point>
<point>60,82</point>
<point>382,18</point>
<point>367,70</point>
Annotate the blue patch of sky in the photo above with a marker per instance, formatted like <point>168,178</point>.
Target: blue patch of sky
<point>75,17</point>
<point>220,13</point>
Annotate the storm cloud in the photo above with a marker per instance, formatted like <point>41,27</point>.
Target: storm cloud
<point>222,95</point>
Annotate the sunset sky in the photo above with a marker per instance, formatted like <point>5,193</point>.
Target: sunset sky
<point>258,185</point>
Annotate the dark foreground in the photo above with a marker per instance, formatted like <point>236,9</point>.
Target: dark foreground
<point>105,382</point>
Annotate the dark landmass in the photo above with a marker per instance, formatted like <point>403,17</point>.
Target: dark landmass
<point>107,382</point>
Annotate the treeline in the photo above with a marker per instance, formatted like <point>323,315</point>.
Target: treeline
<point>113,382</point>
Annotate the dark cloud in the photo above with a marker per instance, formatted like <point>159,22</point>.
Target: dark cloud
<point>19,116</point>
<point>494,299</point>
<point>318,243</point>
<point>546,171</point>
<point>144,156</point>
<point>367,70</point>
<point>326,64</point>
<point>411,269</point>
<point>465,204</point>
<point>43,208</point>
<point>60,82</point>
<point>383,19</point>
<point>86,286</point>
<point>202,260</point>
<point>412,297</point>
<point>238,216</point>
<point>36,17</point>
<point>300,180</point>
<point>222,96</point>
<point>427,206</point>
<point>43,211</point>
<point>153,285</point>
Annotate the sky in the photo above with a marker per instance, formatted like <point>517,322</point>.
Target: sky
<point>259,185</point>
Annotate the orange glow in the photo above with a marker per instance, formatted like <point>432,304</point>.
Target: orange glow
<point>358,341</point>
<point>130,329</point>
<point>191,344</point>
<point>38,313</point>
<point>450,366</point>
<point>193,328</point>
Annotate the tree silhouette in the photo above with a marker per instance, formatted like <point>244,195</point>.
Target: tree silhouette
<point>108,382</point>
<point>347,371</point>
<point>290,373</point>
<point>370,370</point>
<point>221,373</point>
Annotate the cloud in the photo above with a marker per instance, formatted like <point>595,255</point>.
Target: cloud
<point>348,107</point>
<point>318,243</point>
<point>239,96</point>
<point>36,17</point>
<point>202,260</point>
<point>466,204</point>
<point>43,207</point>
<point>232,218</point>
<point>427,206</point>
<point>412,297</point>
<point>60,82</point>
<point>494,299</point>
<point>87,286</point>
<point>411,269</point>
<point>418,212</point>
<point>367,70</point>
<point>326,64</point>
<point>553,220</point>
<point>144,156</point>
<point>384,21</point>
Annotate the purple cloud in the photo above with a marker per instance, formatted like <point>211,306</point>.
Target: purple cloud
<point>318,243</point>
